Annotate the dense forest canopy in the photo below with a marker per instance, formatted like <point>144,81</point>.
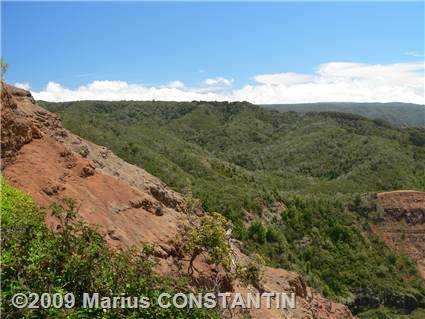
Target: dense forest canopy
<point>398,114</point>
<point>250,163</point>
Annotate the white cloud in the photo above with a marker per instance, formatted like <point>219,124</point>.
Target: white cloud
<point>119,90</point>
<point>24,86</point>
<point>415,54</point>
<point>282,78</point>
<point>175,84</point>
<point>406,74</point>
<point>334,81</point>
<point>219,80</point>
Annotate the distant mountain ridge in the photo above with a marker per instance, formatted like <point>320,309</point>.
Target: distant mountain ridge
<point>397,114</point>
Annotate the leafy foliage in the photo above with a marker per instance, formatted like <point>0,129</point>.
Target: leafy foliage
<point>74,259</point>
<point>209,237</point>
<point>252,273</point>
<point>336,252</point>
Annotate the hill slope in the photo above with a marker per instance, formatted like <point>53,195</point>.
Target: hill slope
<point>398,114</point>
<point>298,187</point>
<point>130,207</point>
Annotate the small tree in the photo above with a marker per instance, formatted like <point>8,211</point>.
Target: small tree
<point>209,237</point>
<point>191,203</point>
<point>4,67</point>
<point>252,272</point>
<point>68,222</point>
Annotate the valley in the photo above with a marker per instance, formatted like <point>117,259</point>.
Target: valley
<point>299,188</point>
<point>212,160</point>
<point>72,209</point>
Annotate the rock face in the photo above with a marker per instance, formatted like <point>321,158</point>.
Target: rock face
<point>310,304</point>
<point>42,158</point>
<point>130,206</point>
<point>403,225</point>
<point>403,205</point>
<point>17,127</point>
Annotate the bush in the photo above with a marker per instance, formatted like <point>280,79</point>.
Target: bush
<point>209,238</point>
<point>74,259</point>
<point>258,232</point>
<point>252,273</point>
<point>84,151</point>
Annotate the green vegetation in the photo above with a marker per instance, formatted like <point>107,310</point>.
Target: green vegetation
<point>335,250</point>
<point>386,313</point>
<point>236,156</point>
<point>84,151</point>
<point>76,259</point>
<point>3,66</point>
<point>398,114</point>
<point>209,237</point>
<point>252,273</point>
<point>246,161</point>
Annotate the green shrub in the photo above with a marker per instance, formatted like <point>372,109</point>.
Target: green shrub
<point>84,151</point>
<point>209,238</point>
<point>74,259</point>
<point>252,272</point>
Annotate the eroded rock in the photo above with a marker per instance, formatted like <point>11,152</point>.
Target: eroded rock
<point>87,171</point>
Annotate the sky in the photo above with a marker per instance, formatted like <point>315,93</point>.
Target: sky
<point>260,52</point>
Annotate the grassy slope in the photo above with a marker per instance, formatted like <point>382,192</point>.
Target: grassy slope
<point>398,114</point>
<point>240,158</point>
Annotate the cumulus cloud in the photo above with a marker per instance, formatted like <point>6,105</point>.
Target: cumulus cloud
<point>120,90</point>
<point>330,82</point>
<point>24,86</point>
<point>218,81</point>
<point>341,82</point>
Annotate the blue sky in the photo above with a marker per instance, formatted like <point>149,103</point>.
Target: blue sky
<point>152,44</point>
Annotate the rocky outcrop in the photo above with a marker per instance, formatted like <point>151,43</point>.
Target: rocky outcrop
<point>87,170</point>
<point>130,206</point>
<point>402,223</point>
<point>17,128</point>
<point>111,165</point>
<point>44,159</point>
<point>403,205</point>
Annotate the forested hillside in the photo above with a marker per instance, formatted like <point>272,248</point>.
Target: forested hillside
<point>118,231</point>
<point>398,114</point>
<point>298,187</point>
